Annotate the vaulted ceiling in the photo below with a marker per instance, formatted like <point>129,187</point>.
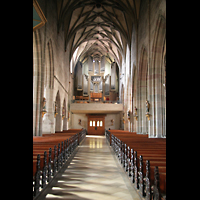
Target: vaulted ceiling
<point>97,27</point>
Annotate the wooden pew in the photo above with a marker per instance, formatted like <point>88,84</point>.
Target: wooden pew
<point>50,153</point>
<point>41,144</point>
<point>135,151</point>
<point>59,154</point>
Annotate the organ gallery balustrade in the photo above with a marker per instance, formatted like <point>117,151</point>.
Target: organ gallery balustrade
<point>95,98</point>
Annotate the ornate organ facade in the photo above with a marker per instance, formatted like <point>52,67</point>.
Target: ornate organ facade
<point>96,77</point>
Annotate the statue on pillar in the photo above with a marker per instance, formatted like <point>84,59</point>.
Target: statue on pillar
<point>135,114</point>
<point>135,110</point>
<point>63,112</point>
<point>55,109</point>
<point>147,107</point>
<point>44,111</point>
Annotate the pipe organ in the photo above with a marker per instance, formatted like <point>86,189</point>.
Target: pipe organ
<point>96,75</point>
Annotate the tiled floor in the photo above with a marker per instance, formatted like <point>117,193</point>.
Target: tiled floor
<point>93,174</point>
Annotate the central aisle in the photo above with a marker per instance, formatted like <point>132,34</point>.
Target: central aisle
<point>93,174</point>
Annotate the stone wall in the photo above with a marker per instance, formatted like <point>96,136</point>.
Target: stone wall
<point>50,73</point>
<point>145,79</point>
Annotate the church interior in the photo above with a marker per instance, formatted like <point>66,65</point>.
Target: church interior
<point>99,70</point>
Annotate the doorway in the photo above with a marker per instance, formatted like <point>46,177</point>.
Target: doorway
<point>96,124</point>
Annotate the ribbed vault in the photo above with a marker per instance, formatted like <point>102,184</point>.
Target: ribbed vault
<point>97,27</point>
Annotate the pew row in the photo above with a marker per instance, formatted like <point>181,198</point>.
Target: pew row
<point>144,161</point>
<point>50,153</point>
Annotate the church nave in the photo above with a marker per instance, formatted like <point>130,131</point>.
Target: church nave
<point>93,173</point>
<point>99,77</point>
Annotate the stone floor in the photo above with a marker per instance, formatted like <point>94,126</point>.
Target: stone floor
<point>93,174</point>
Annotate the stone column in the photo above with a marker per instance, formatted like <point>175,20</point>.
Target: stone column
<point>65,123</point>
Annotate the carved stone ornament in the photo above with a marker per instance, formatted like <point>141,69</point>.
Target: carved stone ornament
<point>135,116</point>
<point>148,116</point>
